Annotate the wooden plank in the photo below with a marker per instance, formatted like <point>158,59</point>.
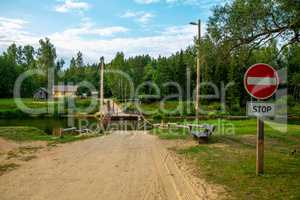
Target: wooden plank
<point>182,126</point>
<point>69,129</point>
<point>196,126</point>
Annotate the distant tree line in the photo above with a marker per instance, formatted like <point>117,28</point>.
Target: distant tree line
<point>239,35</point>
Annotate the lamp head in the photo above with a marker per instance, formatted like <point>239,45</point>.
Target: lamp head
<point>102,59</point>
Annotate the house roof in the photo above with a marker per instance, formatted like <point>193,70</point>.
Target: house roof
<point>42,89</point>
<point>65,88</point>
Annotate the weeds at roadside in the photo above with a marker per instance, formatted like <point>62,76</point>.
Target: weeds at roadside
<point>11,154</point>
<point>29,149</point>
<point>23,153</point>
<point>7,167</point>
<point>28,158</point>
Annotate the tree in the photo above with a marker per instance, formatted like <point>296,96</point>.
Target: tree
<point>180,70</point>
<point>150,75</point>
<point>79,60</point>
<point>11,53</point>
<point>255,22</point>
<point>46,54</point>
<point>58,67</point>
<point>296,85</point>
<point>72,63</point>
<point>46,60</point>
<point>20,57</point>
<point>71,72</point>
<point>116,81</point>
<point>28,52</point>
<point>8,74</point>
<point>164,73</point>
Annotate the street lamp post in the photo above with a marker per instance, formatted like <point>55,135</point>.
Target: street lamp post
<point>198,69</point>
<point>101,84</point>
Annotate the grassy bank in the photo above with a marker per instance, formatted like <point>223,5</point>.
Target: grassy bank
<point>230,160</point>
<point>171,134</point>
<point>9,108</point>
<point>175,108</point>
<point>20,134</point>
<point>160,110</point>
<point>156,110</point>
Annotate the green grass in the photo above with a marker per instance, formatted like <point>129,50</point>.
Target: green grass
<point>229,160</point>
<point>186,108</point>
<point>294,110</point>
<point>23,134</point>
<point>170,134</point>
<point>9,109</point>
<point>174,108</point>
<point>20,134</point>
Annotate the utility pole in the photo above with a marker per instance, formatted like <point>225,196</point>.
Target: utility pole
<point>197,105</point>
<point>101,84</point>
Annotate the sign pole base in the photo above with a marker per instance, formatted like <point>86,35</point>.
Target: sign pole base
<point>260,146</point>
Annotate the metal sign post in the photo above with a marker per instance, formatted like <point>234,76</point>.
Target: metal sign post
<point>260,146</point>
<point>261,82</point>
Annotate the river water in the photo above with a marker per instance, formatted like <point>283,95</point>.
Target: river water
<point>49,125</point>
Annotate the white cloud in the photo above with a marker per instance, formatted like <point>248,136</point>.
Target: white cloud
<point>164,43</point>
<point>179,2</point>
<point>203,4</point>
<point>12,23</point>
<point>139,16</point>
<point>146,1</point>
<point>87,28</point>
<point>72,5</point>
<point>13,30</point>
<point>185,30</point>
<point>153,45</point>
<point>75,39</point>
<point>145,18</point>
<point>171,1</point>
<point>129,14</point>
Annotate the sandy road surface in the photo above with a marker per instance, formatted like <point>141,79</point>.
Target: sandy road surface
<point>130,165</point>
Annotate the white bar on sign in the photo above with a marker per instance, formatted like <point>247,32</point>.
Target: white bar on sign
<point>261,81</point>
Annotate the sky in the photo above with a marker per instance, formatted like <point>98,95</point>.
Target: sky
<point>104,27</point>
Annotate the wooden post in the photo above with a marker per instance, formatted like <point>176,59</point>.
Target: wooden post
<point>61,132</point>
<point>109,106</point>
<point>113,105</point>
<point>198,72</point>
<point>101,84</point>
<point>260,146</point>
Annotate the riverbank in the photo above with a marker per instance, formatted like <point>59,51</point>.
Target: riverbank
<point>169,110</point>
<point>45,109</point>
<point>23,134</point>
<point>186,109</point>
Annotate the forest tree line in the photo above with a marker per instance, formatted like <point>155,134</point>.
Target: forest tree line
<point>239,35</point>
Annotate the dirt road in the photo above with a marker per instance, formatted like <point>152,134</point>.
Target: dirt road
<point>130,165</point>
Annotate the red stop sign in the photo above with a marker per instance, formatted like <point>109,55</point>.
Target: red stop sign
<point>261,81</point>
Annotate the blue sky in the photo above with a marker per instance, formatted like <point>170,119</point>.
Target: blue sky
<point>103,27</point>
